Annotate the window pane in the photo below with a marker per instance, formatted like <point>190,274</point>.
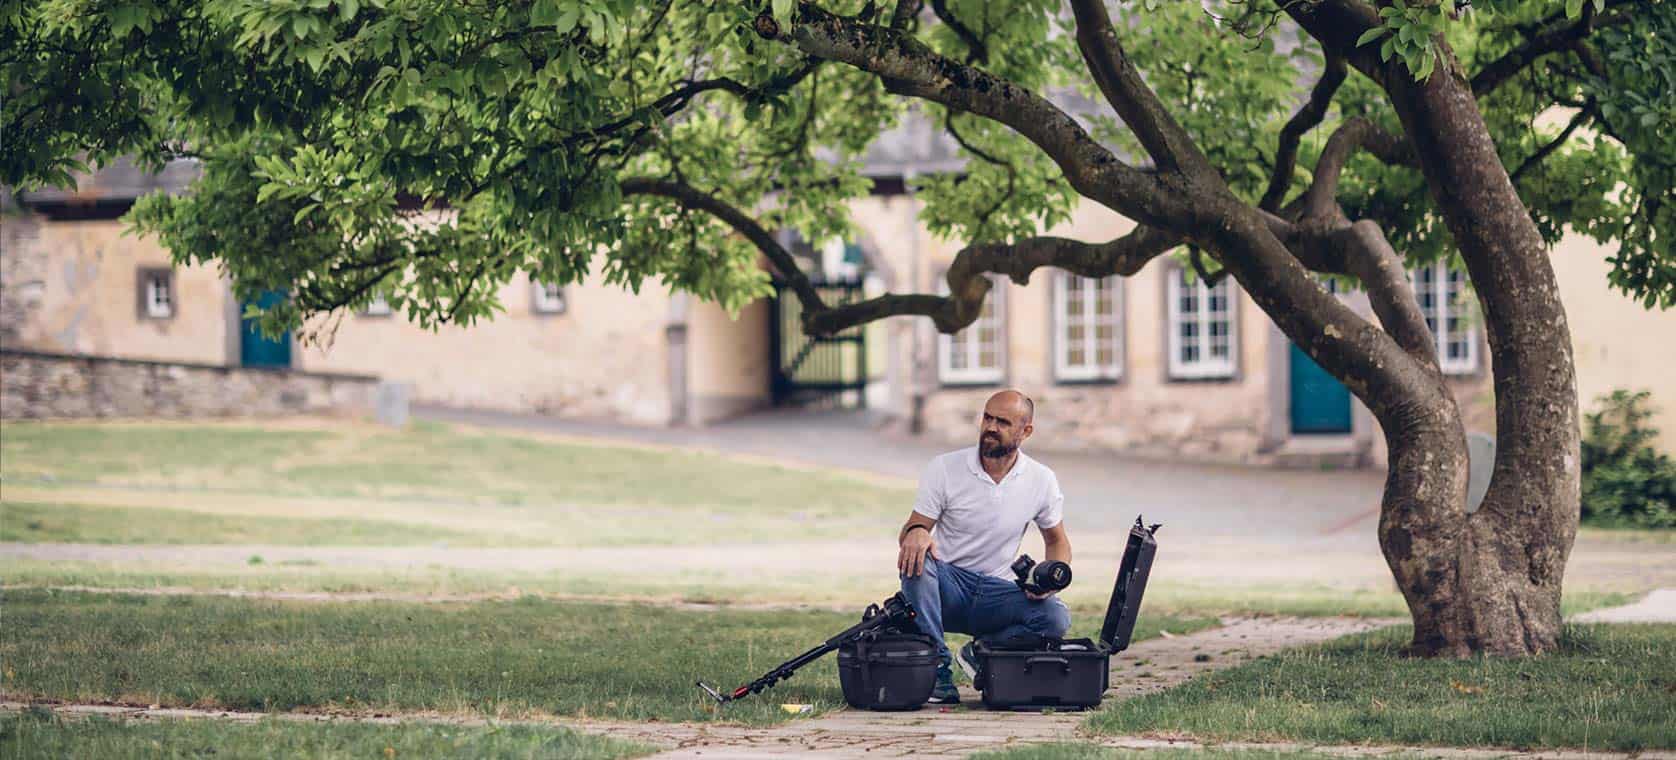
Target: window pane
<point>986,359</point>
<point>1075,356</point>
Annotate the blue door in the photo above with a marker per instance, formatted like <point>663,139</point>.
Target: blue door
<point>255,350</point>
<point>1320,403</point>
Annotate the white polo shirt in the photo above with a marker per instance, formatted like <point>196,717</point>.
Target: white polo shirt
<point>980,523</point>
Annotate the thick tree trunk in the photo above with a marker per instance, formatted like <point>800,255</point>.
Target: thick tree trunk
<point>1494,585</point>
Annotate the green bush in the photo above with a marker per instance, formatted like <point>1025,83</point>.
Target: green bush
<point>1626,481</point>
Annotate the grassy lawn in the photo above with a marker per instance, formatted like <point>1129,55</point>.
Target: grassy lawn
<point>32,522</point>
<point>315,484</point>
<point>38,735</point>
<point>1087,598</point>
<point>547,491</point>
<point>507,659</point>
<point>1613,687</point>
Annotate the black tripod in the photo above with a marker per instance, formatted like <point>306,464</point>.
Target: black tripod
<point>894,612</point>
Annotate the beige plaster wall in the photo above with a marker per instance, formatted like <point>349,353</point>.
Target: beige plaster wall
<point>1144,412</point>
<point>71,288</point>
<point>605,356</point>
<point>1615,341</point>
<point>727,360</point>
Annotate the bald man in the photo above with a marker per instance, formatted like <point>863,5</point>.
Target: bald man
<point>958,545</point>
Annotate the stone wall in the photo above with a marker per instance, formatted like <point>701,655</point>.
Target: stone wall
<point>71,287</point>
<point>23,271</point>
<point>604,356</point>
<point>36,385</point>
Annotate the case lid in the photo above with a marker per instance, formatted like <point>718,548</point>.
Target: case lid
<point>1130,583</point>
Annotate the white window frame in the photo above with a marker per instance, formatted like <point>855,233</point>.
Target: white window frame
<point>159,294</point>
<point>1090,320</point>
<point>1205,367</point>
<point>379,306</point>
<point>1442,309</point>
<point>546,298</point>
<point>972,374</point>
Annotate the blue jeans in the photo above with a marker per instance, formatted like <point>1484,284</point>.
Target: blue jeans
<point>950,598</point>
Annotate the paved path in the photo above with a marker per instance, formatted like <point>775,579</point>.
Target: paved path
<point>1659,606</point>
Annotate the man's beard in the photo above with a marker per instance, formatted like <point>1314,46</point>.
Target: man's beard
<point>992,448</point>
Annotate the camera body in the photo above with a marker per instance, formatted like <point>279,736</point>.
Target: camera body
<point>1041,577</point>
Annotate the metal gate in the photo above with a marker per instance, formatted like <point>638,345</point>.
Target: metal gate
<point>828,370</point>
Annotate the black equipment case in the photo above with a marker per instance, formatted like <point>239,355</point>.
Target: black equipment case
<point>888,670</point>
<point>1038,673</point>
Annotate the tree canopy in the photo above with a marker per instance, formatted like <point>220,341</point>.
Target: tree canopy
<point>1278,140</point>
<point>643,138</point>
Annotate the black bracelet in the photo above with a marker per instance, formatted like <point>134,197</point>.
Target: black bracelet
<point>915,525</point>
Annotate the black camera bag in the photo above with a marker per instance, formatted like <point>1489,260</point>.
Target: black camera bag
<point>888,670</point>
<point>1037,673</point>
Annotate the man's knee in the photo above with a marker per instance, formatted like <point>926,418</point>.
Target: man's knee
<point>927,574</point>
<point>1052,619</point>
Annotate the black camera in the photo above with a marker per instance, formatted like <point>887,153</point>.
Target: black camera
<point>1041,577</point>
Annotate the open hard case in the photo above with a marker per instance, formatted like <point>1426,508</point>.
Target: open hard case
<point>1069,674</point>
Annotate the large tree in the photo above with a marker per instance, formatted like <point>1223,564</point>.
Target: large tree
<point>1276,141</point>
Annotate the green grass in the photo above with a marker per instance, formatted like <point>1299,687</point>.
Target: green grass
<point>543,491</point>
<point>1612,687</point>
<point>1075,751</point>
<point>39,734</point>
<point>32,522</point>
<point>511,659</point>
<point>1163,597</point>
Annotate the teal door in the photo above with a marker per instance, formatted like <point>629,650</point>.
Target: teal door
<point>1320,403</point>
<point>255,350</point>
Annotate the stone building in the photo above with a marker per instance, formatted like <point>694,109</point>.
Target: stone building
<point>1156,364</point>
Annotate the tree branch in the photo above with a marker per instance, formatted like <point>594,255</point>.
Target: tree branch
<point>976,50</point>
<point>1361,250</point>
<point>1308,116</point>
<point>692,198</point>
<point>1543,152</point>
<point>1320,200</point>
<point>905,11</point>
<point>1556,34</point>
<point>1165,141</point>
<point>908,67</point>
<point>968,286</point>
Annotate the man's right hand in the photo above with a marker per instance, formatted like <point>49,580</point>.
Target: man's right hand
<point>916,544</point>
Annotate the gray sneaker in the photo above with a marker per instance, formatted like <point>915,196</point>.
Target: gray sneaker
<point>944,692</point>
<point>968,660</point>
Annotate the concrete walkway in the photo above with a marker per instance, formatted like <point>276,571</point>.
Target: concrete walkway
<point>1656,607</point>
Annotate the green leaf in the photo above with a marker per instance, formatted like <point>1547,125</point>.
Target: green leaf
<point>1370,35</point>
<point>544,13</point>
<point>782,11</point>
<point>1426,68</point>
<point>1573,8</point>
<point>567,20</point>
